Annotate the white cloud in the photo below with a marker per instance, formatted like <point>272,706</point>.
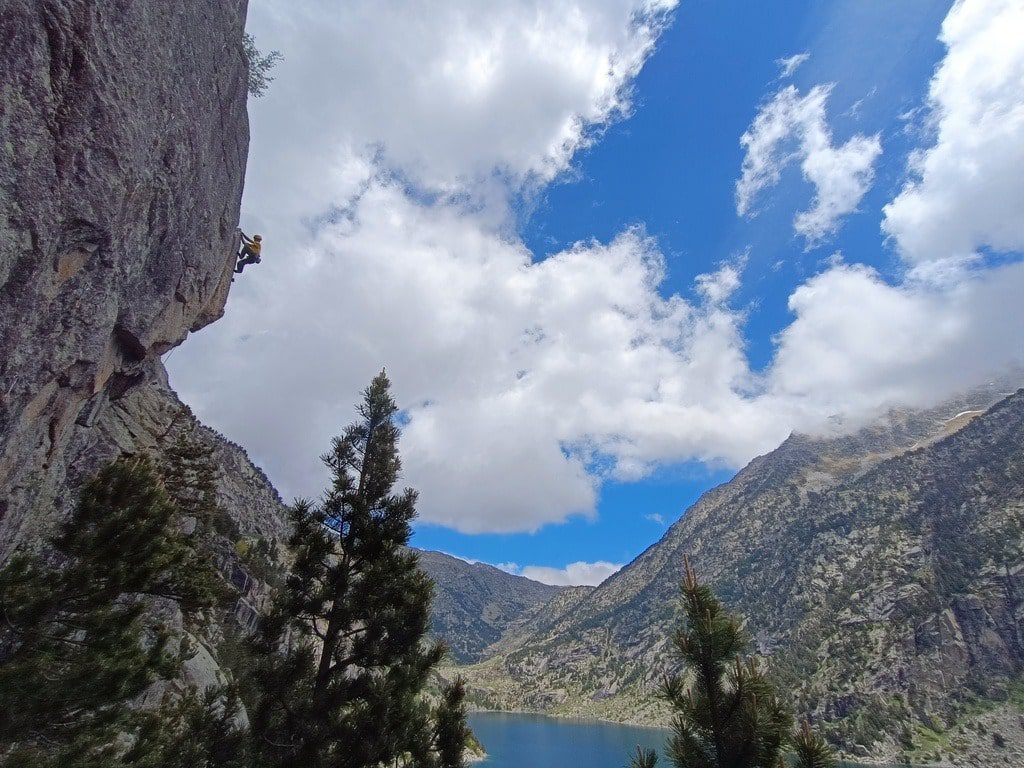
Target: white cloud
<point>454,96</point>
<point>792,127</point>
<point>789,65</point>
<point>858,343</point>
<point>967,189</point>
<point>655,518</point>
<point>528,383</point>
<point>574,574</point>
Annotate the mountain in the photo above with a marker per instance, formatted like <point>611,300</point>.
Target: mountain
<point>882,573</point>
<point>475,604</point>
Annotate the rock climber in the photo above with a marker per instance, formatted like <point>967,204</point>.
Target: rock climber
<point>250,253</point>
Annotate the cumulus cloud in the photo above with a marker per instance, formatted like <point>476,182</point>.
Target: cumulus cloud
<point>789,128</point>
<point>966,190</point>
<point>789,65</point>
<point>451,95</point>
<point>858,342</point>
<point>655,518</point>
<point>574,574</point>
<point>527,383</point>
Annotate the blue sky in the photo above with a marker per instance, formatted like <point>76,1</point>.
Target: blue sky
<point>671,167</point>
<point>608,252</point>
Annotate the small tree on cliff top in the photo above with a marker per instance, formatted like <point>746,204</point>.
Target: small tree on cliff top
<point>259,66</point>
<point>343,660</point>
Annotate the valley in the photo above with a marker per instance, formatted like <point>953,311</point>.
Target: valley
<point>553,309</point>
<point>880,573</point>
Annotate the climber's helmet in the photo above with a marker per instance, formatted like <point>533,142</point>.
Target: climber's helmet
<point>257,238</point>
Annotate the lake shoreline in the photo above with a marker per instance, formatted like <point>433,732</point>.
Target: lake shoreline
<point>844,759</point>
<point>579,718</point>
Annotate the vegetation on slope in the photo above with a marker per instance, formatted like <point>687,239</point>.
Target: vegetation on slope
<point>880,572</point>
<point>83,640</point>
<point>336,676</point>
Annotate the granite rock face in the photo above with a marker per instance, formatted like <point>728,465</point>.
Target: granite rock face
<point>122,161</point>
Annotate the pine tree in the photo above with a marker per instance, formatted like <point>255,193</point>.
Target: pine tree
<point>78,642</point>
<point>730,715</point>
<point>194,730</point>
<point>343,660</point>
<point>644,758</point>
<point>189,473</point>
<point>811,750</point>
<point>451,734</point>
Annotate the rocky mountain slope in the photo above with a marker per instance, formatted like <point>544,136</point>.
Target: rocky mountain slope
<point>121,171</point>
<point>125,140</point>
<point>883,572</point>
<point>475,604</point>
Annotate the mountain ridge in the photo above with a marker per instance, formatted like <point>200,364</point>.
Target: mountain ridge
<point>476,604</point>
<point>845,502</point>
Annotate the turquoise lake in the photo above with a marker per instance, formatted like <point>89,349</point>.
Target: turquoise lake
<point>516,740</point>
<point>536,741</point>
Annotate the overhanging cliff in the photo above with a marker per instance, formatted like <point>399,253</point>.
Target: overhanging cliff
<point>125,136</point>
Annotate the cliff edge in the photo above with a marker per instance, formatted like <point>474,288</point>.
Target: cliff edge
<point>121,171</point>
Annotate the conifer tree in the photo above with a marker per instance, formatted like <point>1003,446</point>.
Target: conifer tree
<point>451,734</point>
<point>189,474</point>
<point>729,716</point>
<point>193,730</point>
<point>77,643</point>
<point>811,750</point>
<point>343,660</point>
<point>644,758</point>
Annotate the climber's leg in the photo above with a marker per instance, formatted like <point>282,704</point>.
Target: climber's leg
<point>247,258</point>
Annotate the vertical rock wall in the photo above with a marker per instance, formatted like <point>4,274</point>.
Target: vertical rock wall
<point>123,141</point>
